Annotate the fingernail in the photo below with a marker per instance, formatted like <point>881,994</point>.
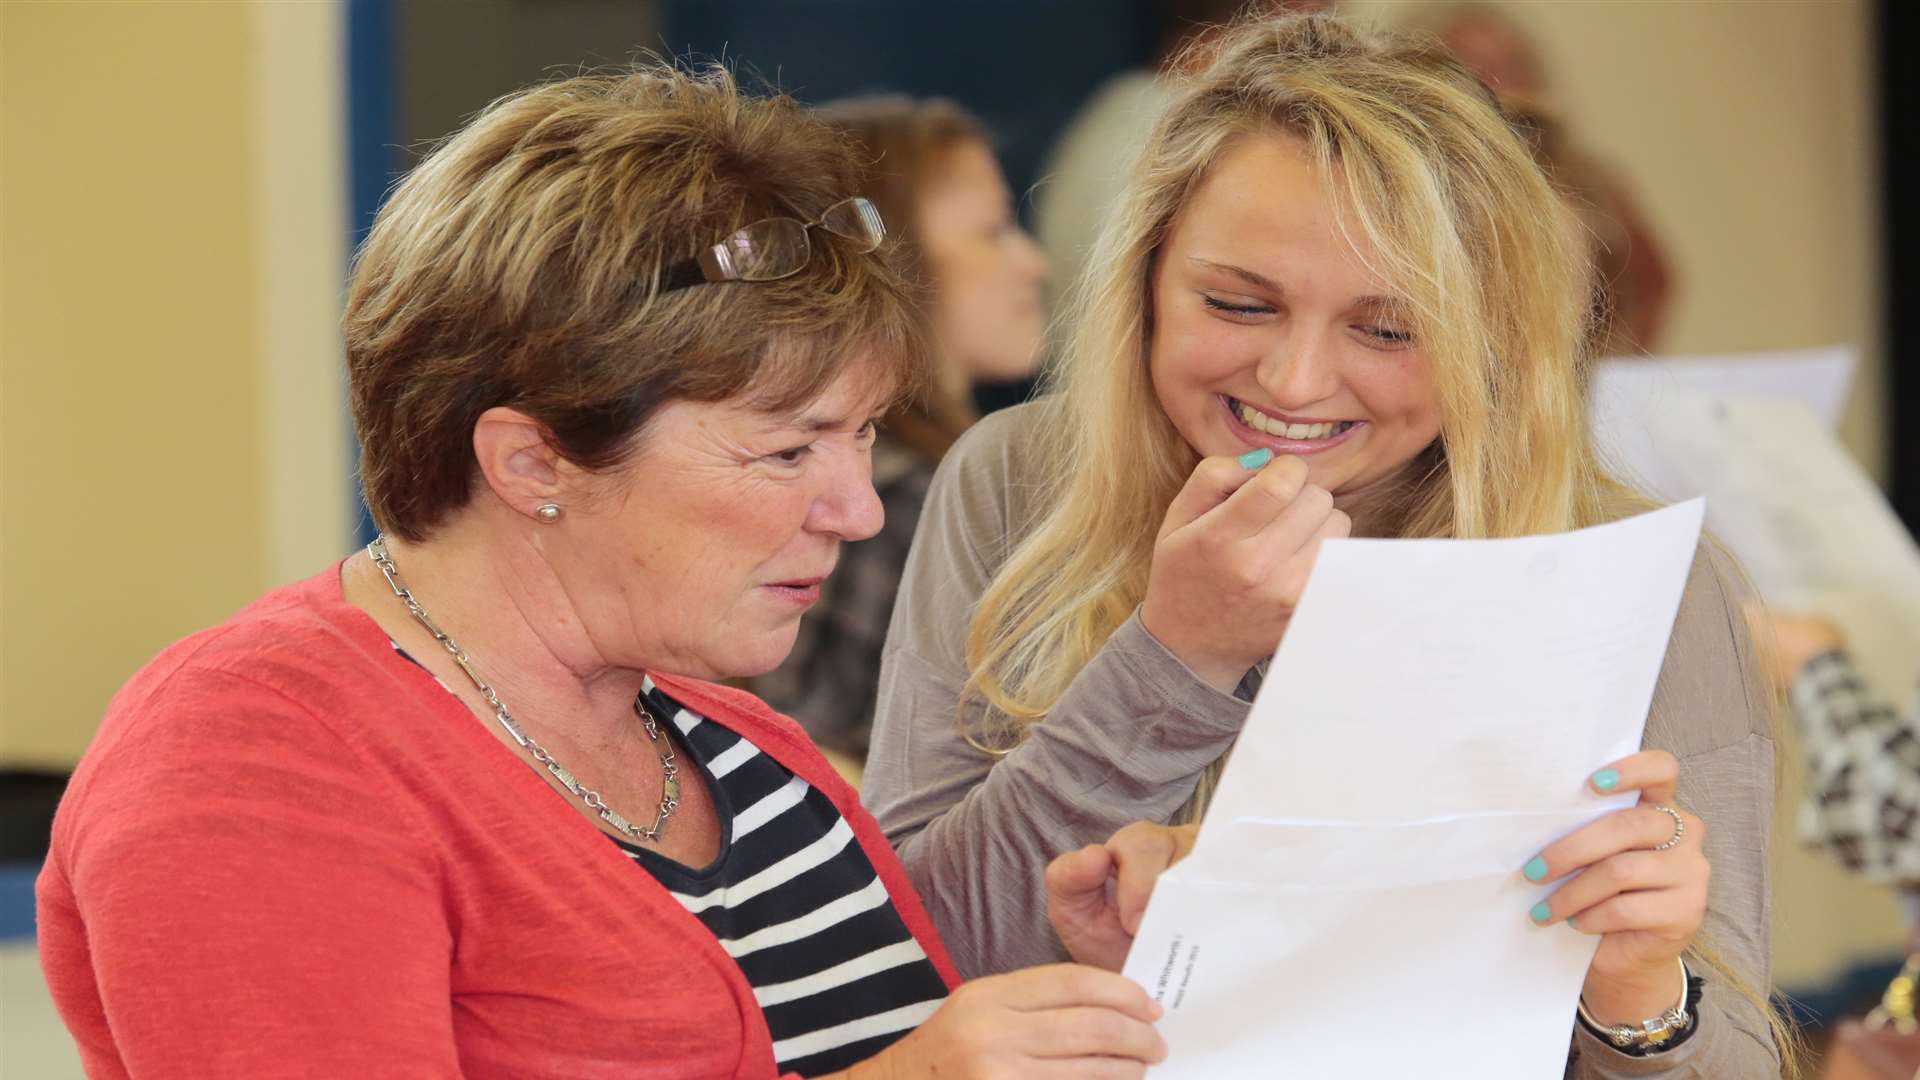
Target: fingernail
<point>1536,869</point>
<point>1254,459</point>
<point>1541,913</point>
<point>1606,779</point>
<point>1570,925</point>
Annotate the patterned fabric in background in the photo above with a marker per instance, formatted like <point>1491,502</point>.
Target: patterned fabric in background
<point>1863,772</point>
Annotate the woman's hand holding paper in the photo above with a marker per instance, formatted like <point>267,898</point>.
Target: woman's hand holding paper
<point>1231,559</point>
<point>1638,879</point>
<point>1062,1020</point>
<point>1097,895</point>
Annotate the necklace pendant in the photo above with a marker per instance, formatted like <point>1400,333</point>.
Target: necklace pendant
<point>671,793</point>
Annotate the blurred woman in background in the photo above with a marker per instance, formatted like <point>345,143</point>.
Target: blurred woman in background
<point>979,277</point>
<point>1633,280</point>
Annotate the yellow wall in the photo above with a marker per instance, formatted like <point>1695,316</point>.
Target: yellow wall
<point>300,245</point>
<point>1746,129</point>
<point>158,365</point>
<point>1749,129</point>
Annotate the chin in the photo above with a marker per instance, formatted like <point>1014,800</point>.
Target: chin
<point>750,659</point>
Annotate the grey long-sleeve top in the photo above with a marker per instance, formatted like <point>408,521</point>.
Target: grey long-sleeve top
<point>1133,732</point>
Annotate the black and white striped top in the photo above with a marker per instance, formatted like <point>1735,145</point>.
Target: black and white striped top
<point>794,900</point>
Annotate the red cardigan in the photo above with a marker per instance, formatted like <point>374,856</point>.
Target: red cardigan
<point>290,852</point>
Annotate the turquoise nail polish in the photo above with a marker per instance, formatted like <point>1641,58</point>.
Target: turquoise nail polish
<point>1536,869</point>
<point>1606,779</point>
<point>1541,913</point>
<point>1570,925</point>
<point>1254,459</point>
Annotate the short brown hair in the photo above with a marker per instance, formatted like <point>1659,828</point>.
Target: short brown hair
<point>519,265</point>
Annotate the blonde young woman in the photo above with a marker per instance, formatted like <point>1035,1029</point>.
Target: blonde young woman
<point>1339,297</point>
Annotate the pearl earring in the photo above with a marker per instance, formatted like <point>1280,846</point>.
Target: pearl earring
<point>547,512</point>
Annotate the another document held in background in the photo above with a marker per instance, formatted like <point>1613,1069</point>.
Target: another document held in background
<point>1819,379</point>
<point>1806,522</point>
<point>1624,390</point>
<point>1353,906</point>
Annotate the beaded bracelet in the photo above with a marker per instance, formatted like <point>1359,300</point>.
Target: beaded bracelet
<point>1658,1035</point>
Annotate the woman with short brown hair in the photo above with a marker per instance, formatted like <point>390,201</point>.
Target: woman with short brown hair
<point>464,803</point>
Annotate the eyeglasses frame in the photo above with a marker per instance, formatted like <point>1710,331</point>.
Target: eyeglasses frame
<point>715,264</point>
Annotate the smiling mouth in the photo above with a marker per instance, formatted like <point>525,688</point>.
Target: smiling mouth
<point>1281,428</point>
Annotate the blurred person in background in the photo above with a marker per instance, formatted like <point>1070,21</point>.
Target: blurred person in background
<point>466,803</point>
<point>1489,43</point>
<point>1087,168</point>
<point>1633,287</point>
<point>980,281</point>
<point>1338,296</point>
<point>1862,756</point>
<point>1861,766</point>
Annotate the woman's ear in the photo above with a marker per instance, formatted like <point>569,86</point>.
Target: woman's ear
<point>518,461</point>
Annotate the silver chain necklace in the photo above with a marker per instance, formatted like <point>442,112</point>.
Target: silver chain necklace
<point>670,794</point>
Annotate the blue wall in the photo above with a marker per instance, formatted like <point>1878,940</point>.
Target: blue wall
<point>1022,66</point>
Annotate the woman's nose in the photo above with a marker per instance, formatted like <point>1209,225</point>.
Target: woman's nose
<point>1298,372</point>
<point>1031,261</point>
<point>850,508</point>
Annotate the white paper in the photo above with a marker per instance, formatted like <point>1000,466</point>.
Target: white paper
<point>1809,526</point>
<point>1816,378</point>
<point>1354,902</point>
<point>1626,389</point>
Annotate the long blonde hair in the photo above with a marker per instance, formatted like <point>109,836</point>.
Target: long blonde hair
<point>1486,257</point>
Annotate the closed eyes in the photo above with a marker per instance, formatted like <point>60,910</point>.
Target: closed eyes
<point>1388,336</point>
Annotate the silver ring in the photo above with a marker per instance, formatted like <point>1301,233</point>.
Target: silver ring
<point>1679,828</point>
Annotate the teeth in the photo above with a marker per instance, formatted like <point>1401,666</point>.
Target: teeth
<point>1261,422</point>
